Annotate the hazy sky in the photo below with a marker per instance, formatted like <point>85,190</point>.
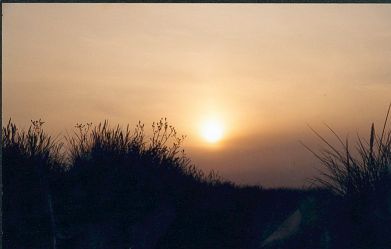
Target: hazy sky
<point>264,70</point>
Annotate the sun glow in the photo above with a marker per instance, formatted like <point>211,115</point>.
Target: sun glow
<point>212,130</point>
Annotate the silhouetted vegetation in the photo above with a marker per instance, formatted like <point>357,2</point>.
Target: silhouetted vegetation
<point>349,175</point>
<point>363,179</point>
<point>113,187</point>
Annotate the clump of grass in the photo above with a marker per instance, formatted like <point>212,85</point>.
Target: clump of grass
<point>105,174</point>
<point>164,147</point>
<point>361,176</point>
<point>34,143</point>
<point>356,173</point>
<point>31,160</point>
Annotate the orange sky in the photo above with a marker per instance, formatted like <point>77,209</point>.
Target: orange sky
<point>264,70</point>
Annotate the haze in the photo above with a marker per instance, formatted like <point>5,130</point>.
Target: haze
<point>264,70</point>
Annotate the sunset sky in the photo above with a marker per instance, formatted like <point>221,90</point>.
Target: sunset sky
<point>258,73</point>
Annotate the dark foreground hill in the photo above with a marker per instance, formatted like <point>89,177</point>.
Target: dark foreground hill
<point>115,189</point>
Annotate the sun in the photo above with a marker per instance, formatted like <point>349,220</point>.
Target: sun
<point>212,130</point>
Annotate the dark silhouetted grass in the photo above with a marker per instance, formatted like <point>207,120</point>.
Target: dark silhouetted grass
<point>111,181</point>
<point>31,160</point>
<point>363,179</point>
<point>113,187</point>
